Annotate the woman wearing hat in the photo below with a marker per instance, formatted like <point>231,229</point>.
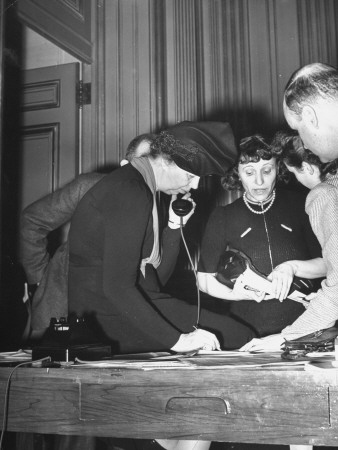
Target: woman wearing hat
<point>115,246</point>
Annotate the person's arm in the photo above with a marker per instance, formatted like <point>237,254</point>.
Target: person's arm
<point>45,215</point>
<point>311,268</point>
<point>282,275</point>
<point>323,309</point>
<point>125,221</point>
<point>210,285</point>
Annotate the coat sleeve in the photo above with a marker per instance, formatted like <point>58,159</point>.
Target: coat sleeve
<point>214,242</point>
<point>171,240</point>
<point>45,215</point>
<point>126,222</point>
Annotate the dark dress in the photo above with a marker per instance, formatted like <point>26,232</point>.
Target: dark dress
<point>284,230</point>
<point>111,231</point>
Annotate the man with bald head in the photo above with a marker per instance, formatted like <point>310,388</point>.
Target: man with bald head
<point>311,108</point>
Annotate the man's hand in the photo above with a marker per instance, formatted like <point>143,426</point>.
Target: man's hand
<point>270,343</point>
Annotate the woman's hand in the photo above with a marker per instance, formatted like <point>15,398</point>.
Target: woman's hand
<point>282,277</point>
<point>175,220</point>
<point>267,344</point>
<point>243,292</point>
<point>196,340</point>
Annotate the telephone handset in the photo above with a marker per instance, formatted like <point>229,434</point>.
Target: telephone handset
<point>181,207</point>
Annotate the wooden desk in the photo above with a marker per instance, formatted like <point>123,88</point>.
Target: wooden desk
<point>251,405</point>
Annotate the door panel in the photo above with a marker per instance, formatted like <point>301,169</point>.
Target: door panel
<point>40,151</point>
<point>49,137</point>
<point>67,23</point>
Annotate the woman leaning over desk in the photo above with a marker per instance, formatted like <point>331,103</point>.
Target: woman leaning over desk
<point>115,247</point>
<point>269,224</point>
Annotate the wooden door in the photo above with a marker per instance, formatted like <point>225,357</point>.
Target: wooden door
<point>67,23</point>
<point>50,128</point>
<point>42,156</point>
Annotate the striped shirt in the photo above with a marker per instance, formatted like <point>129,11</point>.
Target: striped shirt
<point>322,208</point>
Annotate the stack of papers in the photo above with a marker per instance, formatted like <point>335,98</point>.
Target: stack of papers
<point>201,359</point>
<point>197,360</point>
<point>16,356</point>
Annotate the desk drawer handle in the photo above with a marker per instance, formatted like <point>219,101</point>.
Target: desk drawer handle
<point>205,405</point>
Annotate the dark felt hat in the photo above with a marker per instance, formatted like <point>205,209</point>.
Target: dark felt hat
<point>208,147</point>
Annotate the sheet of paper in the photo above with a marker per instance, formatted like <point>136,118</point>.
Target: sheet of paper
<point>201,360</point>
<point>16,356</point>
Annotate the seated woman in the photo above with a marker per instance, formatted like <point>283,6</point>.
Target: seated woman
<point>268,224</point>
<point>321,202</point>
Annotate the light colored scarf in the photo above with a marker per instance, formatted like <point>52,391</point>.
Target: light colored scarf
<point>144,167</point>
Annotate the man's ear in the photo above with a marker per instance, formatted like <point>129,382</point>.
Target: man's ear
<point>309,116</point>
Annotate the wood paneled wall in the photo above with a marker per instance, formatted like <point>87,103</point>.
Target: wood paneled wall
<point>170,60</point>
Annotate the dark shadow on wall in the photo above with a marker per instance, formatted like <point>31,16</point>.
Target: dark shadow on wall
<point>246,122</point>
<point>13,314</point>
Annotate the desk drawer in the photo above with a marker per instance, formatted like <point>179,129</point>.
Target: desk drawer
<point>209,412</point>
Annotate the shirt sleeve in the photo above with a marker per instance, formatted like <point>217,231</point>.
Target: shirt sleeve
<point>44,216</point>
<point>323,309</point>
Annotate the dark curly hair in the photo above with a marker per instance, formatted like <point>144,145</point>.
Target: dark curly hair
<point>251,149</point>
<point>293,153</point>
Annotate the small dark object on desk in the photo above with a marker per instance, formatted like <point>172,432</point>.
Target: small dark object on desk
<point>50,364</point>
<point>320,341</point>
<point>65,341</point>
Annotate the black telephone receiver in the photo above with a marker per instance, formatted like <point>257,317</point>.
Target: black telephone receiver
<point>181,207</point>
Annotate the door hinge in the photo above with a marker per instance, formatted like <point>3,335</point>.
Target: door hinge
<point>83,94</point>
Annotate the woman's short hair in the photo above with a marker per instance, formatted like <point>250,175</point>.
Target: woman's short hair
<point>251,149</point>
<point>293,153</point>
<point>140,146</point>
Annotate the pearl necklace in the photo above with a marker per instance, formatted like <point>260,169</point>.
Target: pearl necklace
<point>246,201</point>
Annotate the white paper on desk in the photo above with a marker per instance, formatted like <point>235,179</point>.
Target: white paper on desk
<point>232,353</point>
<point>16,356</point>
<point>202,360</point>
<point>137,364</point>
<point>243,360</point>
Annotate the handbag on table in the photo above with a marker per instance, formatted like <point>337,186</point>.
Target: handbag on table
<point>319,341</point>
<point>234,264</point>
